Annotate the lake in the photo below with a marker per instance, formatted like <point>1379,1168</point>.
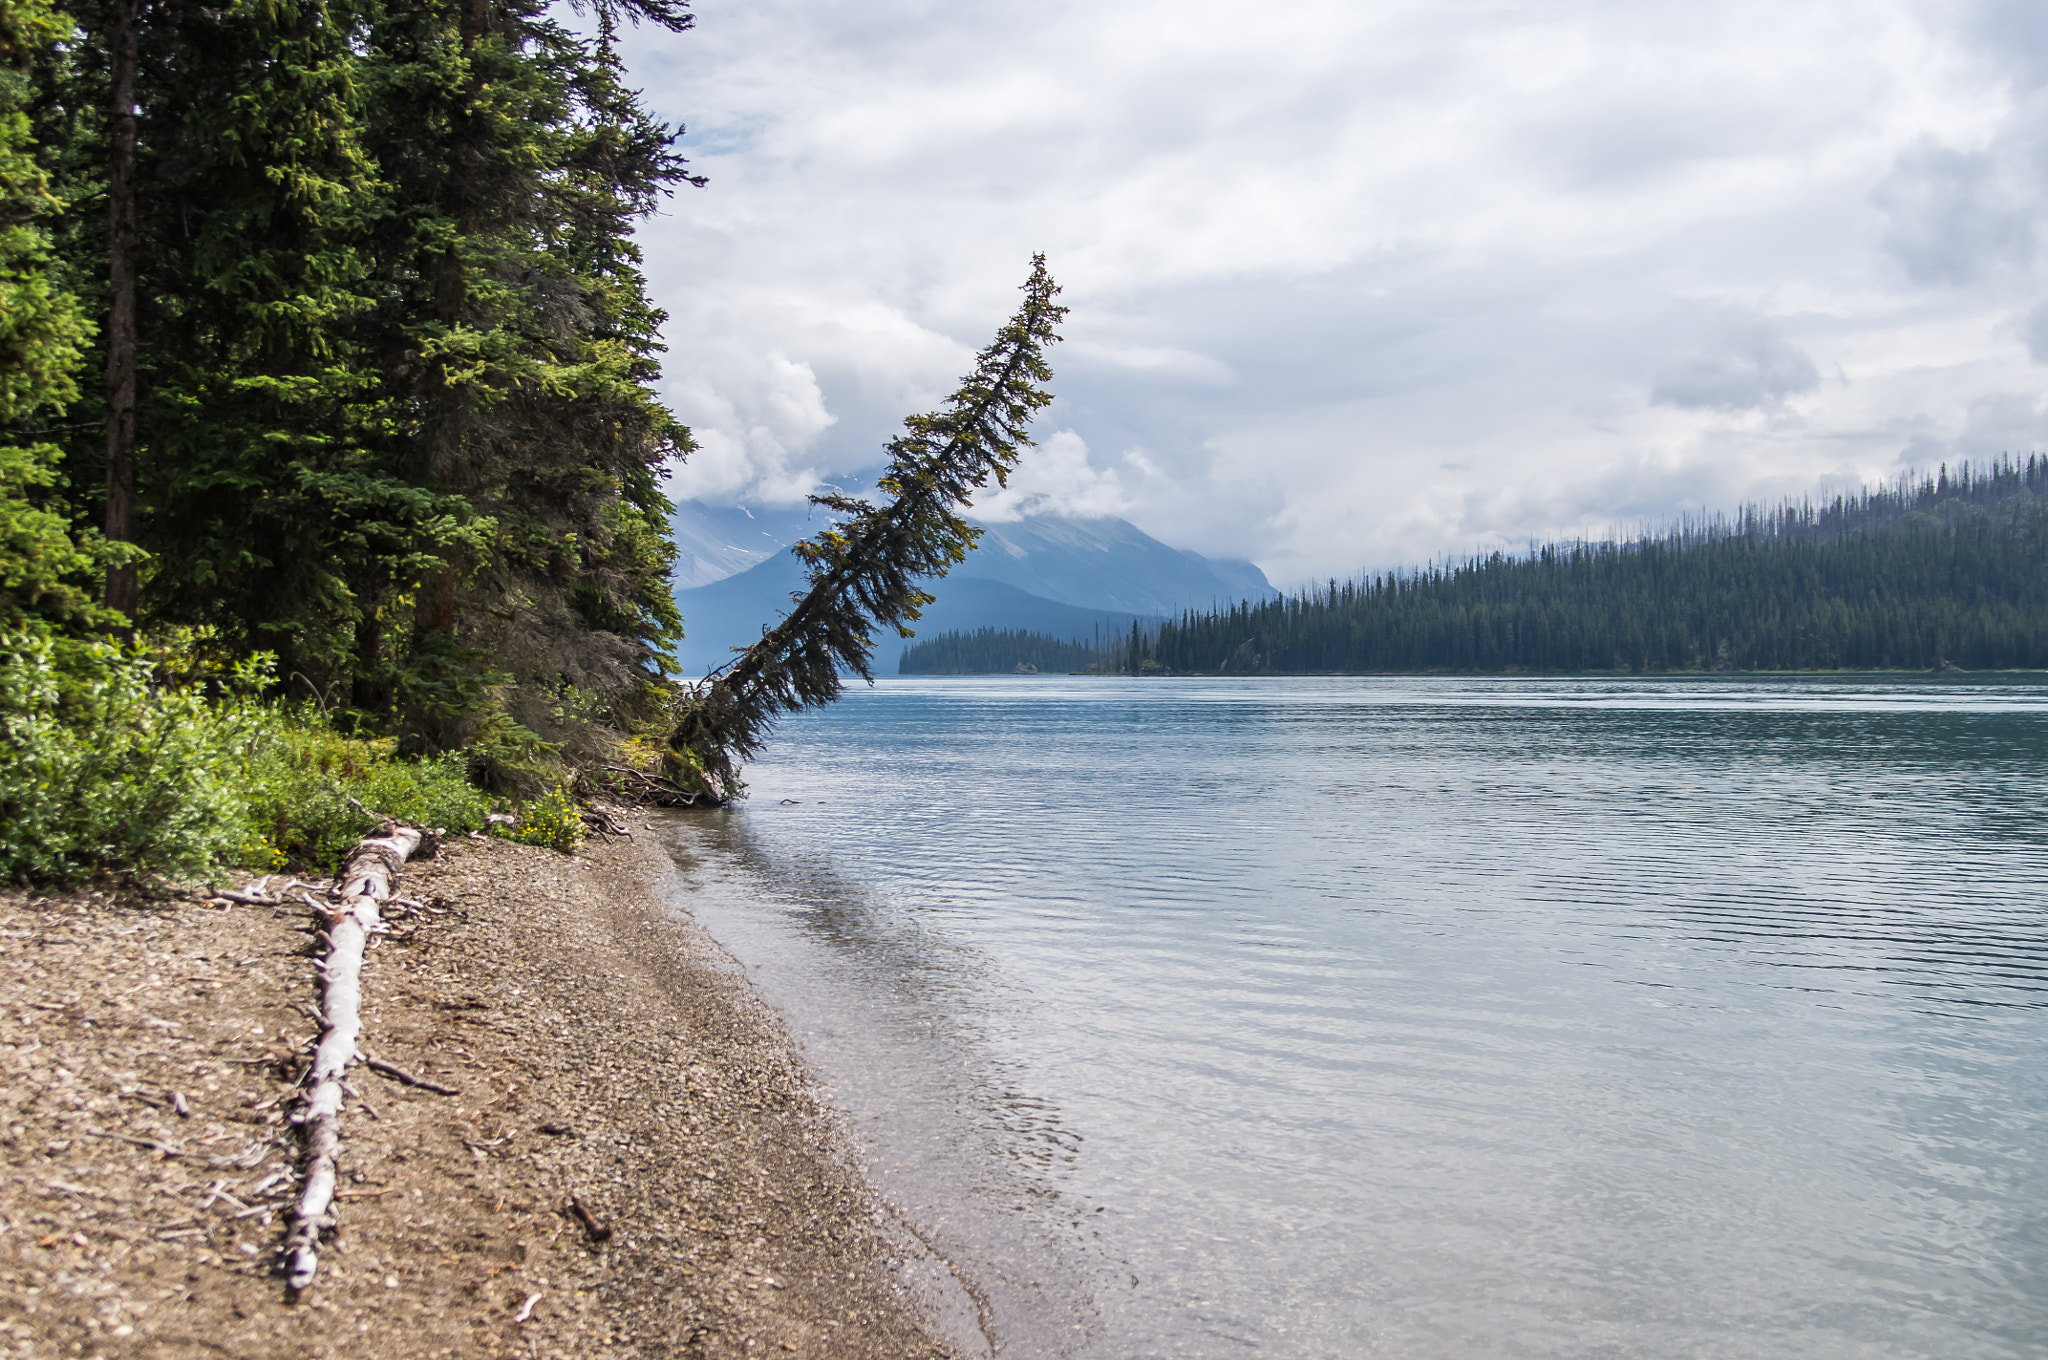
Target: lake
<point>1427,1017</point>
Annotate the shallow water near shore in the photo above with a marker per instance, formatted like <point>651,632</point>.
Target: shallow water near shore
<point>1444,1017</point>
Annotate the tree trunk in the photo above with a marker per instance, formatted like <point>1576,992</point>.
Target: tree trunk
<point>122,583</point>
<point>439,604</point>
<point>369,687</point>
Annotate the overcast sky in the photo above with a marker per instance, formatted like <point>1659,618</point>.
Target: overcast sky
<point>1361,284</point>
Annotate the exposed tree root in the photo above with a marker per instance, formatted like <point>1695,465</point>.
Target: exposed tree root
<point>657,791</point>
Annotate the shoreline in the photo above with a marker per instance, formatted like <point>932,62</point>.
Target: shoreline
<point>602,1047</point>
<point>1461,675</point>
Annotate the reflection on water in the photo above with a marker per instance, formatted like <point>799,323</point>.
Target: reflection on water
<point>1420,1018</point>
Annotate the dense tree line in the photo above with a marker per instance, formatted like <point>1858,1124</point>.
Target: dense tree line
<point>995,651</point>
<point>1950,569</point>
<point>324,334</point>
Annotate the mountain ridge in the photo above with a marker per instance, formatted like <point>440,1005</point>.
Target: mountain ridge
<point>1057,575</point>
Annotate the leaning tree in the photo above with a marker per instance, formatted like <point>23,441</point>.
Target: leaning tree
<point>864,571</point>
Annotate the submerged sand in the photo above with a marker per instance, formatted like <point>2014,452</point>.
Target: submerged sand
<point>602,1048</point>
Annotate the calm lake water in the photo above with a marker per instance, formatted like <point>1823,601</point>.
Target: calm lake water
<point>1428,1018</point>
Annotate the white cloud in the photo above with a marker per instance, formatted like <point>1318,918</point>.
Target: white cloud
<point>1956,216</point>
<point>1748,365</point>
<point>755,423</point>
<point>2036,332</point>
<point>1365,283</point>
<point>1058,478</point>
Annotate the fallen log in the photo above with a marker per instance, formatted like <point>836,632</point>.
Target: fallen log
<point>365,881</point>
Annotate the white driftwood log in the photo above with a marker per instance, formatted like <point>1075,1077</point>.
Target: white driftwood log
<point>366,878</point>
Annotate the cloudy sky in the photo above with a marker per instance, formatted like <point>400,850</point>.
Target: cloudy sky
<point>1365,283</point>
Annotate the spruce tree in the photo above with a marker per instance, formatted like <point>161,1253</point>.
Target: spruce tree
<point>271,499</point>
<point>392,355</point>
<point>864,570</point>
<point>48,568</point>
<point>523,348</point>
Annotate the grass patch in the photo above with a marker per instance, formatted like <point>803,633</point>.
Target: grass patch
<point>312,792</point>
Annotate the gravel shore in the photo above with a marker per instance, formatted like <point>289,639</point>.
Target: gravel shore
<point>601,1048</point>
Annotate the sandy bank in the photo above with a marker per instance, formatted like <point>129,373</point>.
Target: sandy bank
<point>600,1049</point>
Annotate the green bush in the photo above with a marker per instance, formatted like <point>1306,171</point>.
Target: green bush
<point>552,820</point>
<point>105,770</point>
<point>101,772</point>
<point>303,776</point>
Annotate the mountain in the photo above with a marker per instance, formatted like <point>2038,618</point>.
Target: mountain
<point>1107,564</point>
<point>1047,574</point>
<point>717,541</point>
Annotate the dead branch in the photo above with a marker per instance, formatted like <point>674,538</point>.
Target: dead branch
<point>247,1159</point>
<point>605,822</point>
<point>399,1074</point>
<point>153,1144</point>
<point>599,1232</point>
<point>659,791</point>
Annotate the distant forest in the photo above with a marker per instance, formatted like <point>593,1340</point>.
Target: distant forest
<point>1950,569</point>
<point>995,651</point>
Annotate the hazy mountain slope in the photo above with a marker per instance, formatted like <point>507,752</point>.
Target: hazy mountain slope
<point>1075,560</point>
<point>1244,579</point>
<point>1108,564</point>
<point>717,541</point>
<point>1058,576</point>
<point>731,613</point>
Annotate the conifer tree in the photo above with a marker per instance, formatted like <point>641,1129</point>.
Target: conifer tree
<point>864,570</point>
<point>392,354</point>
<point>47,567</point>
<point>1951,570</point>
<point>523,348</point>
<point>269,489</point>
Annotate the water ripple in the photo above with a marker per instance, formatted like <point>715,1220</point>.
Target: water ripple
<point>1421,1018</point>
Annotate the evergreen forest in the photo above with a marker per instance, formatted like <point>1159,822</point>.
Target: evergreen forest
<point>326,337</point>
<point>1948,570</point>
<point>993,651</point>
<point>330,451</point>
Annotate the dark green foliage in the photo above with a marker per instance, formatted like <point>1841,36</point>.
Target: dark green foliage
<point>390,365</point>
<point>864,570</point>
<point>523,349</point>
<point>48,565</point>
<point>266,497</point>
<point>1954,569</point>
<point>994,651</point>
<point>396,415</point>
